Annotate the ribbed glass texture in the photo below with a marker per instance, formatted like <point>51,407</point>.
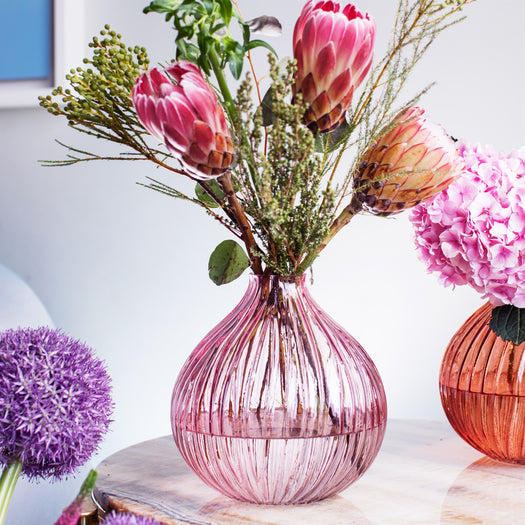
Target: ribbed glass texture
<point>278,404</point>
<point>482,384</point>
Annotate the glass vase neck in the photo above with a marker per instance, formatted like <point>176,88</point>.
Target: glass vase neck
<point>275,278</point>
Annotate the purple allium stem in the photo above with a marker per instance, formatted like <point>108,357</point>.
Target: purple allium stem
<point>10,476</point>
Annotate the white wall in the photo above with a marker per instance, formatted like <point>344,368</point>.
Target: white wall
<point>125,269</point>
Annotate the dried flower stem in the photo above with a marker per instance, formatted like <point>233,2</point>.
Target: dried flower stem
<point>241,220</point>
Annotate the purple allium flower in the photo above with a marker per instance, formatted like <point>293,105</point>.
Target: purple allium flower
<point>55,402</point>
<point>118,518</point>
<point>474,231</point>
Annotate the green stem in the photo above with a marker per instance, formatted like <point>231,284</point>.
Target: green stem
<point>223,85</point>
<point>8,481</point>
<point>238,211</point>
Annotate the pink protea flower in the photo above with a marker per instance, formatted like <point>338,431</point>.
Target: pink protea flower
<point>178,107</point>
<point>408,165</point>
<point>474,231</point>
<point>334,51</point>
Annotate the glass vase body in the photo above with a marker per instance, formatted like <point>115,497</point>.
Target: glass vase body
<point>482,386</point>
<point>278,404</point>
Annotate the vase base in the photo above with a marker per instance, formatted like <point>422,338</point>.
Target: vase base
<point>491,423</point>
<point>266,471</point>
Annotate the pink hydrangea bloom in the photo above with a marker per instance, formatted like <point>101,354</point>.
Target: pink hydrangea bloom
<point>473,232</point>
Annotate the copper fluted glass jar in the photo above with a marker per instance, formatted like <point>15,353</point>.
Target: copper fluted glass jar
<point>278,404</point>
<point>482,384</point>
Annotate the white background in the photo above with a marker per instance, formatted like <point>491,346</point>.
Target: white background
<point>125,269</point>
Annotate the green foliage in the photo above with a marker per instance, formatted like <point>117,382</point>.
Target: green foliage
<point>98,101</point>
<point>203,33</point>
<point>508,322</point>
<point>227,262</point>
<point>283,188</point>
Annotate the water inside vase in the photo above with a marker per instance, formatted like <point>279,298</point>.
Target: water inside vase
<point>494,424</point>
<point>269,471</point>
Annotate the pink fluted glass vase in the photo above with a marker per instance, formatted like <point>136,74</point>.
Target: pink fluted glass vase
<point>278,404</point>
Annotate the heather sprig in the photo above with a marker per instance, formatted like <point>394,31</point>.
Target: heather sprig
<point>290,207</point>
<point>56,406</point>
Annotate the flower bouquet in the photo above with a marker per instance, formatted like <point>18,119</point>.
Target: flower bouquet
<point>283,171</point>
<point>278,403</point>
<point>474,233</point>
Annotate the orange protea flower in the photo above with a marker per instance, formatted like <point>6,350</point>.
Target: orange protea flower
<point>407,165</point>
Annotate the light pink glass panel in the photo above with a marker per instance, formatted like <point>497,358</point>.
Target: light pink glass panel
<point>482,384</point>
<point>278,404</point>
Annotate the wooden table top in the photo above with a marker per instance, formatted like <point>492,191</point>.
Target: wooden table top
<point>424,475</point>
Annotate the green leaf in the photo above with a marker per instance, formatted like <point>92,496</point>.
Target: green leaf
<point>508,322</point>
<point>205,197</point>
<point>245,32</point>
<point>268,117</point>
<point>208,4</point>
<point>236,62</point>
<point>219,26</point>
<point>259,43</point>
<point>331,141</point>
<point>227,262</point>
<point>268,98</point>
<point>226,10</point>
<point>162,6</point>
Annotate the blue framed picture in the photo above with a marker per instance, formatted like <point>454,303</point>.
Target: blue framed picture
<point>26,40</point>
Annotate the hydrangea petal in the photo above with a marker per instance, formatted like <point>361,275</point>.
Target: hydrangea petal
<point>484,209</point>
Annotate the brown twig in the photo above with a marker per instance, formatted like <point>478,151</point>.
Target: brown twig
<point>241,220</point>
